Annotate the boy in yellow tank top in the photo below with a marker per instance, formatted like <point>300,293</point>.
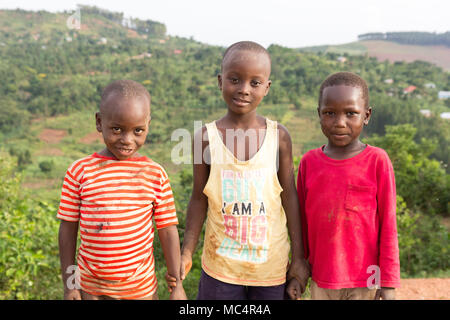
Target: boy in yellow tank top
<point>244,187</point>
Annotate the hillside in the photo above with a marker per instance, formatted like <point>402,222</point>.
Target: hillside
<point>54,76</point>
<point>391,51</point>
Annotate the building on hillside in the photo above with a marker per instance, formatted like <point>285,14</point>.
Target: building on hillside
<point>341,59</point>
<point>445,115</point>
<point>426,112</point>
<point>177,51</point>
<point>430,85</point>
<point>389,81</point>
<point>409,89</point>
<point>444,94</point>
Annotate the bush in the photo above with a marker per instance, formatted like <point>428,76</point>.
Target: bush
<point>29,263</point>
<point>46,166</point>
<point>423,242</point>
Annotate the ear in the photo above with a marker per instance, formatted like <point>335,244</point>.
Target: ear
<point>219,81</point>
<point>98,121</point>
<point>367,114</point>
<point>318,111</point>
<point>268,87</point>
<point>149,120</point>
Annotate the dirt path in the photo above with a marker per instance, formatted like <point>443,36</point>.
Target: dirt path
<point>52,135</point>
<point>424,289</point>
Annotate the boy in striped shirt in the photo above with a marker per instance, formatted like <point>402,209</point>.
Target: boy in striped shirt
<point>111,197</point>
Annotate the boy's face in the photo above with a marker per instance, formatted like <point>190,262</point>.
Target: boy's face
<point>124,123</point>
<point>343,114</point>
<point>244,81</point>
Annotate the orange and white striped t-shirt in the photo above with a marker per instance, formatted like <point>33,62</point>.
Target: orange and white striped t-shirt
<point>114,202</point>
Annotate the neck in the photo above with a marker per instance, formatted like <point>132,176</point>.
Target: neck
<point>348,151</point>
<point>244,121</point>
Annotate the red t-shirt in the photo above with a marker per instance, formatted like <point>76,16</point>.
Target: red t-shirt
<point>348,211</point>
<point>115,203</point>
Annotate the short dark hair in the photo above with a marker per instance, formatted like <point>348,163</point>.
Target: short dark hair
<point>346,79</point>
<point>245,46</point>
<point>126,89</point>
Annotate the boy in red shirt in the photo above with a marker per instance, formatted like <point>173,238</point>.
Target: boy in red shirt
<point>347,199</point>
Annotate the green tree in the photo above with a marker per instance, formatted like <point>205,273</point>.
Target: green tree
<point>421,181</point>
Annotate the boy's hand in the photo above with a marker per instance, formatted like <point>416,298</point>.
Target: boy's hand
<point>300,270</point>
<point>293,289</point>
<point>185,267</point>
<point>178,293</point>
<point>171,282</point>
<point>73,294</point>
<point>385,294</point>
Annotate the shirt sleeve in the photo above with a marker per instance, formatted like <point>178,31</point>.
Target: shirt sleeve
<point>164,211</point>
<point>69,206</point>
<point>301,199</point>
<point>389,260</point>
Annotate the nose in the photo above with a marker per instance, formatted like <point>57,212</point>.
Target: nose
<point>126,138</point>
<point>244,88</point>
<point>340,121</point>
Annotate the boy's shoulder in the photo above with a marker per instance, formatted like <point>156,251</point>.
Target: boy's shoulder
<point>378,157</point>
<point>81,162</point>
<point>311,154</point>
<point>378,152</point>
<point>155,165</point>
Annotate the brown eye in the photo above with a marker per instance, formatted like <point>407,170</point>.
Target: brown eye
<point>139,131</point>
<point>116,130</point>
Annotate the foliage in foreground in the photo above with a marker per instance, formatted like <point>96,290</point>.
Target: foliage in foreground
<point>29,263</point>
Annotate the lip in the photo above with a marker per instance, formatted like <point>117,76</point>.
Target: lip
<point>240,102</point>
<point>125,151</point>
<point>339,135</point>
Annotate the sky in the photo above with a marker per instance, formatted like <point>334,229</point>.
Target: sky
<point>290,23</point>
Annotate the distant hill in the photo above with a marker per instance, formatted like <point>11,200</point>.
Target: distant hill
<point>410,37</point>
<point>391,51</point>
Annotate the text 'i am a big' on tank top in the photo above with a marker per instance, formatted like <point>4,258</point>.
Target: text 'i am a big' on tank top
<point>246,238</point>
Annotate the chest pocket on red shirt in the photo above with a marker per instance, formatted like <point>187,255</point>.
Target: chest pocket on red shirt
<point>361,199</point>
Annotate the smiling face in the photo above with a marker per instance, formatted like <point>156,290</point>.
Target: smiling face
<point>343,115</point>
<point>244,81</point>
<point>124,124</point>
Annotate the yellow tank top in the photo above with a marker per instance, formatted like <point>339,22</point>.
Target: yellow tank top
<point>246,238</point>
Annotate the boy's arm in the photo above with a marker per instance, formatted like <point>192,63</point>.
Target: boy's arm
<point>299,267</point>
<point>302,199</point>
<point>388,242</point>
<point>67,238</point>
<point>198,204</point>
<point>170,243</point>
